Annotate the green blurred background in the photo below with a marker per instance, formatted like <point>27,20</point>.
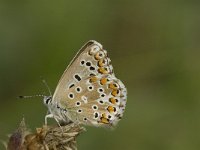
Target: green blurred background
<point>154,47</point>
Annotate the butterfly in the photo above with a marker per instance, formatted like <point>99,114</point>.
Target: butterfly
<point>88,92</point>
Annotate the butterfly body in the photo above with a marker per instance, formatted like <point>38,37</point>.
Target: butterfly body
<point>88,91</point>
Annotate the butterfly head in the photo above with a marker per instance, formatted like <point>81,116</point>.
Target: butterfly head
<point>47,100</point>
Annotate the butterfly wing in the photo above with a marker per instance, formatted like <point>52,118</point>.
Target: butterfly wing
<point>89,90</point>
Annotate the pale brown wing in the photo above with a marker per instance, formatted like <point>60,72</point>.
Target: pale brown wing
<point>89,89</point>
<point>75,68</point>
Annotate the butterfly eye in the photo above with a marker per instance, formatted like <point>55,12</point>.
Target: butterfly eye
<point>47,100</point>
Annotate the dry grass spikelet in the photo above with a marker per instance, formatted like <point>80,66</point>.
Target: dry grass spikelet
<point>45,138</point>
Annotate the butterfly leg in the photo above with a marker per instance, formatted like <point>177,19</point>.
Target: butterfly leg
<point>52,116</point>
<point>48,116</point>
<point>58,124</point>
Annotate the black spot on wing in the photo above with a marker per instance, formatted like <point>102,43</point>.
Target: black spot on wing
<point>71,86</point>
<point>77,77</point>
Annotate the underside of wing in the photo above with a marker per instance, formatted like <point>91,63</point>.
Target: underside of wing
<point>89,90</point>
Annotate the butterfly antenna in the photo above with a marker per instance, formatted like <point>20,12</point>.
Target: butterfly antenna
<point>47,86</point>
<point>38,95</point>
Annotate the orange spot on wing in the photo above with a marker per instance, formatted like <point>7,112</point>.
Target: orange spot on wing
<point>111,109</point>
<point>112,100</point>
<point>101,63</point>
<point>97,56</point>
<point>104,119</point>
<point>113,86</point>
<point>103,81</point>
<point>115,92</point>
<point>104,115</point>
<point>102,70</point>
<point>93,79</point>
